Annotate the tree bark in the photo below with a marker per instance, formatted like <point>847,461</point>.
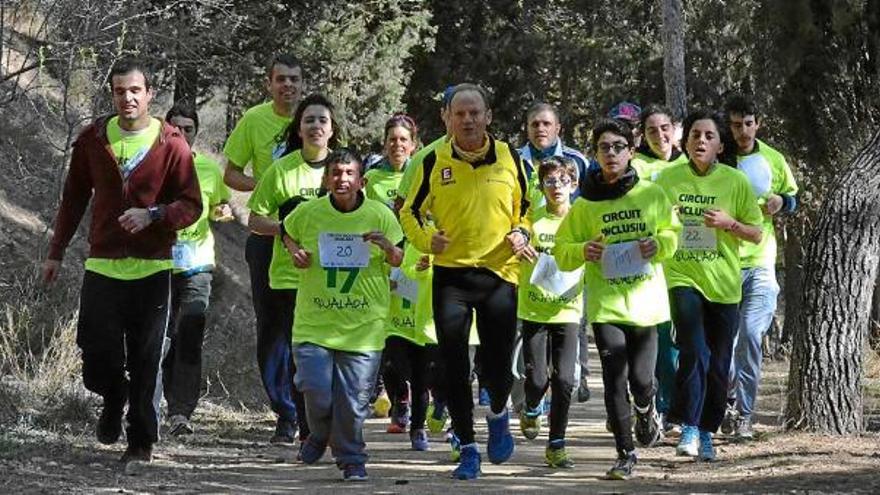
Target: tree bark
<point>673,58</point>
<point>840,268</point>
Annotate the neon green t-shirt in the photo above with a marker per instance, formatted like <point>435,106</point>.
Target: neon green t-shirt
<point>129,149</point>
<point>424,331</point>
<point>649,167</point>
<point>257,139</point>
<point>415,166</point>
<point>402,320</point>
<point>289,178</point>
<point>768,174</point>
<point>382,184</point>
<point>342,308</point>
<point>535,303</point>
<point>194,249</point>
<point>645,211</point>
<point>708,259</point>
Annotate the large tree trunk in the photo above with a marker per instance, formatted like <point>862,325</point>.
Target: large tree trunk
<point>840,268</point>
<point>673,57</point>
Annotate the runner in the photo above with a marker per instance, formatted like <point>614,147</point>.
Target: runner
<point>718,210</point>
<point>475,188</point>
<point>551,315</point>
<point>342,242</point>
<point>623,228</point>
<point>292,179</point>
<point>402,360</point>
<point>137,173</point>
<point>193,256</point>
<point>657,153</point>
<point>258,140</point>
<point>543,128</point>
<point>775,188</point>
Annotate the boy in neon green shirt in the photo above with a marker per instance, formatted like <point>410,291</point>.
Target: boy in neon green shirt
<point>550,316</point>
<point>343,243</point>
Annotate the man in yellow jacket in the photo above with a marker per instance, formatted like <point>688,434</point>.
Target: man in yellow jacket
<point>474,188</point>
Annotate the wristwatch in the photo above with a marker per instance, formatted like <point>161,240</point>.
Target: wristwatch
<point>155,213</point>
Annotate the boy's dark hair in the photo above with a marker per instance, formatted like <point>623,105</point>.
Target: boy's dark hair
<point>127,65</point>
<point>343,155</point>
<point>614,126</point>
<point>740,105</point>
<point>553,163</point>
<point>183,110</point>
<point>287,59</point>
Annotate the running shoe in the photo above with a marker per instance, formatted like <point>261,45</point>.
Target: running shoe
<point>530,423</point>
<point>743,429</point>
<point>500,446</point>
<point>354,472</point>
<point>556,456</point>
<point>689,441</point>
<point>436,422</point>
<point>469,467</point>
<point>707,450</point>
<point>623,468</point>
<point>648,429</point>
<point>728,424</point>
<point>419,439</point>
<point>382,406</point>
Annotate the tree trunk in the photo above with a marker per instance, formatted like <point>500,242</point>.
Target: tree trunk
<point>840,268</point>
<point>874,325</point>
<point>673,58</point>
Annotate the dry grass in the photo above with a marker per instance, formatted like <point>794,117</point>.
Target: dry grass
<point>39,359</point>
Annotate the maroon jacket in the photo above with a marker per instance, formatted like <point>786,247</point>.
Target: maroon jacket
<point>165,178</point>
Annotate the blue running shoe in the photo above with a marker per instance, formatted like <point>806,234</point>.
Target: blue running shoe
<point>469,467</point>
<point>707,451</point>
<point>311,451</point>
<point>419,439</point>
<point>354,472</point>
<point>500,446</point>
<point>484,399</point>
<point>688,442</point>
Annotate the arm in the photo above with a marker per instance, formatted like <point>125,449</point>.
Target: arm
<point>668,229</point>
<point>74,200</point>
<point>182,181</point>
<point>235,178</point>
<point>720,219</point>
<point>413,215</point>
<point>570,242</point>
<point>263,225</point>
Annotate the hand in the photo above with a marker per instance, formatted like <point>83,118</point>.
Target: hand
<point>718,219</point>
<point>51,269</point>
<point>593,249</point>
<point>135,220</point>
<point>648,247</point>
<point>423,264</point>
<point>773,205</point>
<point>222,213</point>
<point>301,257</point>
<point>379,239</point>
<point>439,242</point>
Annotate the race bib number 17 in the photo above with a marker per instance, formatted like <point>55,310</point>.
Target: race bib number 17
<point>343,250</point>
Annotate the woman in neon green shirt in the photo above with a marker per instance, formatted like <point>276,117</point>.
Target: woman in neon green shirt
<point>383,181</point>
<point>622,227</point>
<point>290,180</point>
<point>718,209</point>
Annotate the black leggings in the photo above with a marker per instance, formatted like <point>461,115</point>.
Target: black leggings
<point>628,355</point>
<point>563,340</point>
<point>457,293</point>
<point>405,361</point>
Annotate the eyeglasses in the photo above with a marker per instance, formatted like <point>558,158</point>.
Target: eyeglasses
<point>564,181</point>
<point>618,147</point>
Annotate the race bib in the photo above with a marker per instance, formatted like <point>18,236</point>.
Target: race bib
<point>695,236</point>
<point>183,254</point>
<point>624,260</point>
<point>549,277</point>
<point>343,250</point>
<point>405,287</point>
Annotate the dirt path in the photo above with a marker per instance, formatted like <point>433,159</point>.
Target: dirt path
<point>229,455</point>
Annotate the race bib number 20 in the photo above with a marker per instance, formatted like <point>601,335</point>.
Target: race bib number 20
<point>343,250</point>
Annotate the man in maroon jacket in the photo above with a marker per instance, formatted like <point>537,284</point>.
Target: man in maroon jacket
<point>137,173</point>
